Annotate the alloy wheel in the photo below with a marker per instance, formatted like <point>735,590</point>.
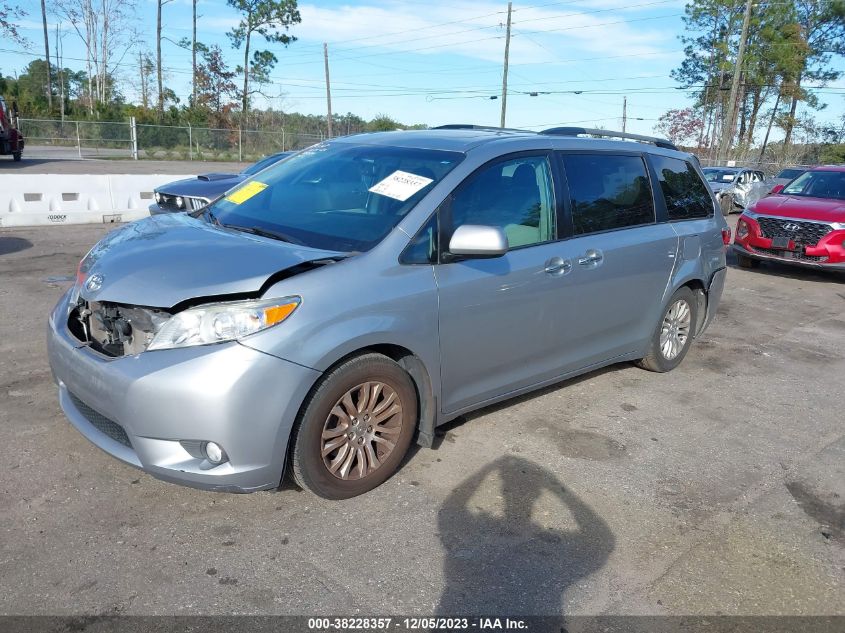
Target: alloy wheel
<point>675,329</point>
<point>361,430</point>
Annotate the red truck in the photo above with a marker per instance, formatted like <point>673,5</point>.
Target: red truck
<point>11,140</point>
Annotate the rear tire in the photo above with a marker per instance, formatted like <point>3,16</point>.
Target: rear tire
<point>354,428</point>
<point>16,156</point>
<point>727,204</point>
<point>673,336</point>
<point>744,261</point>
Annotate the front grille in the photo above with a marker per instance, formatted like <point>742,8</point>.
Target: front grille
<point>797,255</point>
<point>806,233</point>
<point>196,203</point>
<point>101,422</point>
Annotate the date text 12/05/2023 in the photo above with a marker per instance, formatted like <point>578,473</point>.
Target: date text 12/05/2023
<point>415,623</point>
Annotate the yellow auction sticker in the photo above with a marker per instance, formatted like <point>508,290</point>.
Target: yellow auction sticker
<point>246,192</point>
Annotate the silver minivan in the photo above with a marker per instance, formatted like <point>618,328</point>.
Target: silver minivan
<point>333,308</point>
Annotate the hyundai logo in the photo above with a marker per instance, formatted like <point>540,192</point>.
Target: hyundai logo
<point>94,283</point>
<point>790,226</point>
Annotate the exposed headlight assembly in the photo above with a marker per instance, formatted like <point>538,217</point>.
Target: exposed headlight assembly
<point>220,322</point>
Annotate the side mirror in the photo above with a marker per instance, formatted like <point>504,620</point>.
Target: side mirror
<point>777,188</point>
<point>477,241</point>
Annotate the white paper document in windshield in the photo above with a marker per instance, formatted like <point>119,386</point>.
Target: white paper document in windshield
<point>400,185</point>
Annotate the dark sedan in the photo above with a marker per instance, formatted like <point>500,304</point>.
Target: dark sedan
<point>191,194</point>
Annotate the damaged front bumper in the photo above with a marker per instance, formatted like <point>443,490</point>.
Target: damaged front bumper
<point>152,410</point>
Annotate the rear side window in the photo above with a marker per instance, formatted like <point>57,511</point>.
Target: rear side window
<point>607,192</point>
<point>686,196</point>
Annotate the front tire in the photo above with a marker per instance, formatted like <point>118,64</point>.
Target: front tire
<point>354,428</point>
<point>16,156</point>
<point>673,336</point>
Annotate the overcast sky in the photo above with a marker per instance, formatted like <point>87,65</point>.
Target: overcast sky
<point>437,61</point>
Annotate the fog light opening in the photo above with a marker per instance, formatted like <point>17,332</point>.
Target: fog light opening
<point>214,453</point>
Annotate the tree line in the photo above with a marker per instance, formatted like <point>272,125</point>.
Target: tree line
<point>788,54</point>
<point>116,55</point>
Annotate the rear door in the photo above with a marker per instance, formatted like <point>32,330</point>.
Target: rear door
<point>622,256</point>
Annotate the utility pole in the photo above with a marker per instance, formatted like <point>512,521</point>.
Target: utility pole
<point>730,120</point>
<point>624,113</point>
<point>143,78</point>
<point>505,73</point>
<point>328,88</point>
<point>60,74</point>
<point>47,56</point>
<point>194,59</point>
<point>158,60</point>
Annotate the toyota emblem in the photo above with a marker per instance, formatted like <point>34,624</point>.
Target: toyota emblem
<point>790,226</point>
<point>94,283</point>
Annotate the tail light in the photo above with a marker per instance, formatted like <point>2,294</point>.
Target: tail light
<point>726,236</point>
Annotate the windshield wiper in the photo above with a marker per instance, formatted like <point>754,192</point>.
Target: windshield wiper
<point>282,237</point>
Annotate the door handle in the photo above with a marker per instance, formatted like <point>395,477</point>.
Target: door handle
<point>592,257</point>
<point>557,266</point>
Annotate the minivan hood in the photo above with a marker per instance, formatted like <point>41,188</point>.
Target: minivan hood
<point>802,208</point>
<point>164,260</point>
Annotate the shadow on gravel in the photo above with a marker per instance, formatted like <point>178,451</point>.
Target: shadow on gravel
<point>515,539</point>
<point>10,245</point>
<point>26,163</point>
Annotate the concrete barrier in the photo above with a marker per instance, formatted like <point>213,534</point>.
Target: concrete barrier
<point>39,199</point>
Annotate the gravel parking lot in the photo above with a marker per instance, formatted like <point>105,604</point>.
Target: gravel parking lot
<point>715,489</point>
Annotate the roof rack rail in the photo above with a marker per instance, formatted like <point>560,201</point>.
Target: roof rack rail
<point>472,126</point>
<point>577,131</point>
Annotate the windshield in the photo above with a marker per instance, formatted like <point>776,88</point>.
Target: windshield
<point>818,184</point>
<point>719,175</point>
<point>335,196</point>
<point>264,162</point>
<point>789,174</point>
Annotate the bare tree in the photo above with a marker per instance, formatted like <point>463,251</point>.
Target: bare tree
<point>8,28</point>
<point>103,27</point>
<point>145,71</point>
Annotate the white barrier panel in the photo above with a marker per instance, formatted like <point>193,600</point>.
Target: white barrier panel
<point>39,199</point>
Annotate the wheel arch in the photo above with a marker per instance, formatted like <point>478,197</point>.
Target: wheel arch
<point>696,285</point>
<point>411,362</point>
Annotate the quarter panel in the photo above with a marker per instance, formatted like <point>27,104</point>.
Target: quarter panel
<point>702,252</point>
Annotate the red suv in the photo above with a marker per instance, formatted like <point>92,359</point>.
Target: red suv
<point>801,223</point>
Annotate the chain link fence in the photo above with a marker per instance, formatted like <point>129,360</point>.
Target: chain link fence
<point>107,139</point>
